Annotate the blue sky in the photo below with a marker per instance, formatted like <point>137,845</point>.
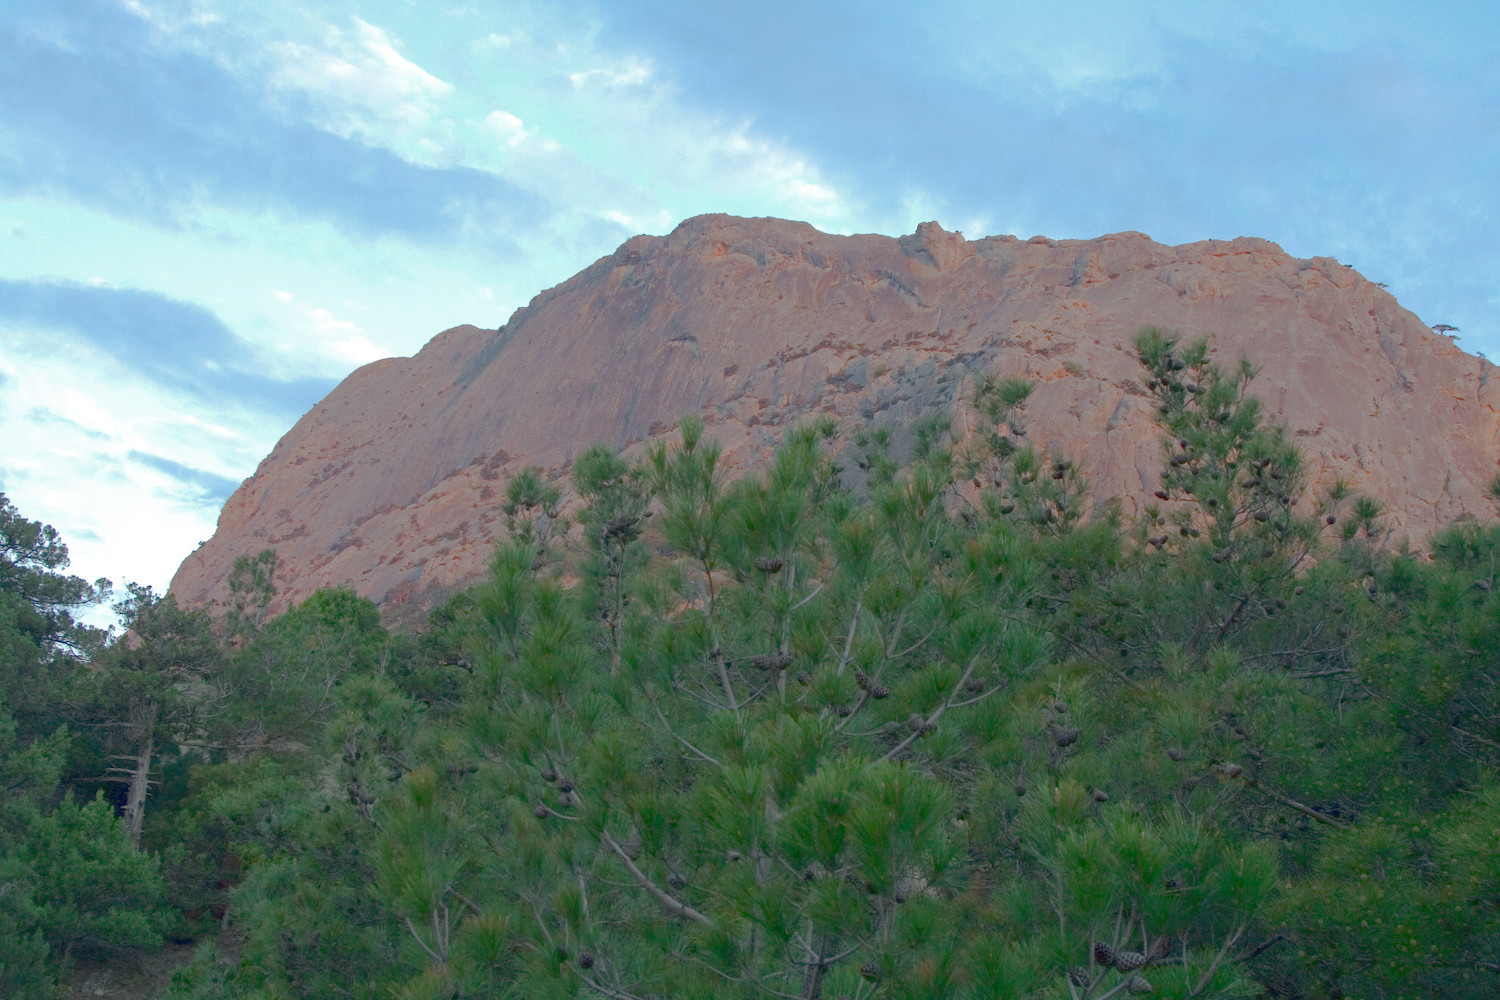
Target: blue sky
<point>212,210</point>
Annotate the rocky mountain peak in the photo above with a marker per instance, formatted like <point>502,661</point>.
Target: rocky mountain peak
<point>391,484</point>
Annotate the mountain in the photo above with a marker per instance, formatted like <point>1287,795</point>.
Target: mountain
<point>391,484</point>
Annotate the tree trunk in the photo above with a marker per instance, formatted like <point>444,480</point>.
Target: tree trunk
<point>140,778</point>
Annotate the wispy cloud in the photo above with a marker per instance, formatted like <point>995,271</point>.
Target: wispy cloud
<point>210,489</point>
<point>93,109</point>
<point>358,81</point>
<point>181,346</point>
<point>339,340</point>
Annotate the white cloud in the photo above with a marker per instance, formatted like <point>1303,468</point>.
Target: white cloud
<point>359,80</point>
<point>631,73</point>
<point>514,133</point>
<point>333,339</point>
<point>658,222</point>
<point>166,18</point>
<point>777,173</point>
<point>71,420</point>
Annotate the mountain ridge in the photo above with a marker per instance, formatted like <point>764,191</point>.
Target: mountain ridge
<point>392,483</point>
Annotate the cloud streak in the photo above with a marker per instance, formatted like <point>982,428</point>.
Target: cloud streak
<point>95,110</point>
<point>212,489</point>
<point>178,345</point>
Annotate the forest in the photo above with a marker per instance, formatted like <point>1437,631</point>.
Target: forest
<point>898,715</point>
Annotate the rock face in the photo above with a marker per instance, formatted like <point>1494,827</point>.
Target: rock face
<point>391,484</point>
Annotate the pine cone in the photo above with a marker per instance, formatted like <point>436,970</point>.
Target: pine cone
<point>565,784</point>
<point>1099,795</point>
<point>676,881</point>
<point>974,685</point>
<point>1064,736</point>
<point>1103,954</point>
<point>585,961</point>
<point>1232,770</point>
<point>928,728</point>
<point>1129,961</point>
<point>1079,976</point>
<point>549,775</point>
<point>1137,984</point>
<point>541,812</point>
<point>767,565</point>
<point>880,692</point>
<point>870,971</point>
<point>1175,753</point>
<point>1060,707</point>
<point>771,661</point>
<point>1020,790</point>
<point>862,679</point>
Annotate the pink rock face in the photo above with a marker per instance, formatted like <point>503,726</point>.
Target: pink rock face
<point>392,483</point>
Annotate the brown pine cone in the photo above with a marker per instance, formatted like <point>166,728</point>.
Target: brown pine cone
<point>771,661</point>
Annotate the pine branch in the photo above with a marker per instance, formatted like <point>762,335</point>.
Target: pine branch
<point>703,756</point>
<point>673,906</point>
<point>930,720</point>
<point>1289,801</point>
<point>412,927</point>
<point>1214,965</point>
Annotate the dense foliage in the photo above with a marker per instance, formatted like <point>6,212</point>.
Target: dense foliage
<point>859,725</point>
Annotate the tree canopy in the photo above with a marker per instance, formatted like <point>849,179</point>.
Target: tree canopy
<point>858,724</point>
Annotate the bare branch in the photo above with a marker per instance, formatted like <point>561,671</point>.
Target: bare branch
<point>673,906</point>
<point>412,927</point>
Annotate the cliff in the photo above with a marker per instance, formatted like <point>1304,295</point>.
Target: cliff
<point>391,484</point>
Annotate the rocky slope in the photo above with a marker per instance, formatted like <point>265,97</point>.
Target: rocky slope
<point>391,483</point>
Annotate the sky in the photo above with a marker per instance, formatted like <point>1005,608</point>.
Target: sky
<point>211,211</point>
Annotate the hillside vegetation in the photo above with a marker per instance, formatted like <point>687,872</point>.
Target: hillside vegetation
<point>861,725</point>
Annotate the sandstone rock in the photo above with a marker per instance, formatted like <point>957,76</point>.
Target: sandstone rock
<point>391,484</point>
